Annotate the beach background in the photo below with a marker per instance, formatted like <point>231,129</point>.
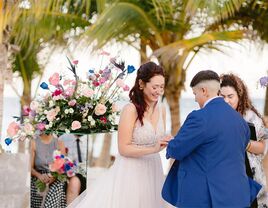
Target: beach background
<point>11,106</point>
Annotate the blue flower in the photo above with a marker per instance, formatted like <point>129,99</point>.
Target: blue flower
<point>130,69</point>
<point>44,86</point>
<point>8,141</point>
<point>91,71</point>
<point>67,167</point>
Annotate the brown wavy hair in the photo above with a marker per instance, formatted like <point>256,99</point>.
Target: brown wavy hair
<point>244,102</point>
<point>145,73</point>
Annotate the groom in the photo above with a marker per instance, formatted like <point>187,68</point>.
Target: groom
<point>209,152</point>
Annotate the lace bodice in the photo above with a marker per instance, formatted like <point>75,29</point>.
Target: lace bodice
<point>146,135</point>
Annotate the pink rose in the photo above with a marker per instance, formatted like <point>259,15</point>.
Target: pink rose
<point>126,88</point>
<point>26,110</point>
<point>102,80</point>
<point>54,79</point>
<point>72,102</point>
<point>28,128</point>
<point>75,62</point>
<point>13,129</point>
<point>40,126</point>
<point>100,109</point>
<point>69,91</point>
<point>87,92</point>
<point>67,82</point>
<point>76,125</point>
<point>56,165</point>
<point>70,173</point>
<point>51,115</point>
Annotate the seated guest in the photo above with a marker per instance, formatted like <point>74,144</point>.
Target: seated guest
<point>59,194</point>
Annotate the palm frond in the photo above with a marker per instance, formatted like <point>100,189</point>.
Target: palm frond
<point>119,21</point>
<point>173,50</point>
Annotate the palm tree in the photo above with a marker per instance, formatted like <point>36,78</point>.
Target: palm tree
<point>36,24</point>
<point>167,28</point>
<point>8,15</point>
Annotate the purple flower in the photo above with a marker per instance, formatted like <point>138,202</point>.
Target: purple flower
<point>264,81</point>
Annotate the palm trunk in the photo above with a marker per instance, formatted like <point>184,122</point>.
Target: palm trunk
<point>173,100</point>
<point>3,69</point>
<point>104,159</point>
<point>143,55</point>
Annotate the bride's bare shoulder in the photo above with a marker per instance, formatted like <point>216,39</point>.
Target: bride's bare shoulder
<point>129,109</point>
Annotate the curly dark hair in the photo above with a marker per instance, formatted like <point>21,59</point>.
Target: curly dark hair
<point>145,73</point>
<point>244,102</point>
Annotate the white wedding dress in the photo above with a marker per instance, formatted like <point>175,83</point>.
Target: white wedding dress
<point>130,182</point>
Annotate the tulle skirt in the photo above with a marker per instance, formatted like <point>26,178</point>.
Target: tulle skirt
<point>129,183</point>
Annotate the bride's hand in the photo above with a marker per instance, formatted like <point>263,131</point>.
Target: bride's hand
<point>160,145</point>
<point>167,138</point>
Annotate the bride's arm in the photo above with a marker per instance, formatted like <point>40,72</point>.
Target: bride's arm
<point>125,133</point>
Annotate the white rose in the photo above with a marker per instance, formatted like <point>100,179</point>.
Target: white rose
<point>51,103</point>
<point>66,111</point>
<point>71,110</point>
<point>34,105</point>
<point>67,131</point>
<point>47,126</point>
<point>89,118</point>
<point>92,123</point>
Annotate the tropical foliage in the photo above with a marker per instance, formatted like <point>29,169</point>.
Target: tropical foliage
<point>174,30</point>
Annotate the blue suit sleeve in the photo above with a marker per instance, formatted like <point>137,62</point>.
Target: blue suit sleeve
<point>188,138</point>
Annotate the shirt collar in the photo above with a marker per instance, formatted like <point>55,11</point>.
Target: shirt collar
<point>210,100</point>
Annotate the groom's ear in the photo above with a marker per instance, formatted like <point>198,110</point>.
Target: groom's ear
<point>204,91</point>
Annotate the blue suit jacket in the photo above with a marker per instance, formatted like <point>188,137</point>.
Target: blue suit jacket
<point>209,168</point>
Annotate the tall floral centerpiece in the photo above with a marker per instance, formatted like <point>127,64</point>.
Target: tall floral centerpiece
<point>75,105</point>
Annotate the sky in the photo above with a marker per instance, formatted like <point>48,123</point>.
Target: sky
<point>246,60</point>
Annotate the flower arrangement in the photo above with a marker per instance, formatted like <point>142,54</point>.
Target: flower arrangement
<point>75,105</point>
<point>61,169</point>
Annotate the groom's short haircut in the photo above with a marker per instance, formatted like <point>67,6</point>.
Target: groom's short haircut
<point>205,75</point>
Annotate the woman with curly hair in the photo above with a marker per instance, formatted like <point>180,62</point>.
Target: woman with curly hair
<point>235,93</point>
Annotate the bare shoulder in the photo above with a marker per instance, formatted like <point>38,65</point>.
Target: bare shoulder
<point>130,109</point>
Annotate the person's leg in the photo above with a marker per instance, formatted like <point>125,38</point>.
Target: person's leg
<point>73,189</point>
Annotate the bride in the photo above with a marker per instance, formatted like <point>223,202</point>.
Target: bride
<point>136,178</point>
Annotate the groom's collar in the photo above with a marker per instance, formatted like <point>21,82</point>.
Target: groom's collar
<point>209,100</point>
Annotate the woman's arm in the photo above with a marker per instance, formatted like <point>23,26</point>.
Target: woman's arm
<point>256,147</point>
<point>43,177</point>
<point>125,131</point>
